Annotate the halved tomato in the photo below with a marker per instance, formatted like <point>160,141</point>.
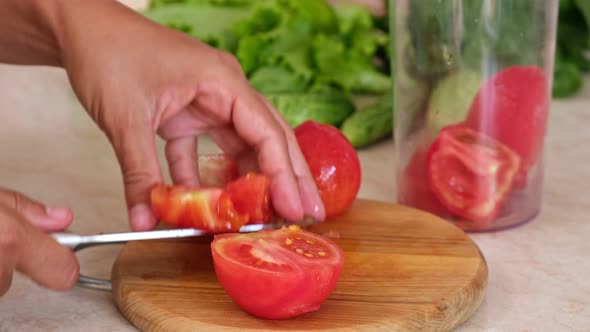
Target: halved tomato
<point>277,274</point>
<point>470,172</point>
<point>250,196</point>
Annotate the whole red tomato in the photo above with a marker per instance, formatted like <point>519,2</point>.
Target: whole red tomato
<point>512,107</point>
<point>334,164</point>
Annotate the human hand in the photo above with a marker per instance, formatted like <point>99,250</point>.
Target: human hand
<point>26,247</point>
<point>138,79</point>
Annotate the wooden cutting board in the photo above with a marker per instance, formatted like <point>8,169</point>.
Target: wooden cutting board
<point>404,270</point>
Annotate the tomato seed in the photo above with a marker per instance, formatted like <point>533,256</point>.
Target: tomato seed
<point>294,227</point>
<point>322,253</point>
<point>308,254</point>
<point>299,251</point>
<point>309,241</point>
<point>288,242</point>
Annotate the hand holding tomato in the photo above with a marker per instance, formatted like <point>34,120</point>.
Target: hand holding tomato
<point>137,79</point>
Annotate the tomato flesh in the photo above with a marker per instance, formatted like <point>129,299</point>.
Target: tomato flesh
<point>203,208</point>
<point>244,200</point>
<point>277,274</point>
<point>470,173</point>
<point>333,163</point>
<point>250,196</point>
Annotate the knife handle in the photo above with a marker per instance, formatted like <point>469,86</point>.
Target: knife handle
<point>77,242</point>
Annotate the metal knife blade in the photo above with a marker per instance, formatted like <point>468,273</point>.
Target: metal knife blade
<point>77,242</point>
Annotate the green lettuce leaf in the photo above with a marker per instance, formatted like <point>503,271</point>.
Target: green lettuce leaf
<point>346,68</point>
<point>208,23</point>
<point>276,80</point>
<point>229,3</point>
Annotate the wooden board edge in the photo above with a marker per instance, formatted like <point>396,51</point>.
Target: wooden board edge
<point>475,290</point>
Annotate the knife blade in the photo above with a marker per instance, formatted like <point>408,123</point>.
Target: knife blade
<point>76,242</point>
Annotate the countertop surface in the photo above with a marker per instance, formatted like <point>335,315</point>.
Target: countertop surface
<point>52,151</point>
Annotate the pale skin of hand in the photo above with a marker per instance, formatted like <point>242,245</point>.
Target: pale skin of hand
<point>137,80</point>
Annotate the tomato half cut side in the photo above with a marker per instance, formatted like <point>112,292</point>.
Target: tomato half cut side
<point>471,173</point>
<point>277,274</point>
<point>250,197</point>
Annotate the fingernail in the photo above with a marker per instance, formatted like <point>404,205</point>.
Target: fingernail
<point>312,202</point>
<point>58,213</point>
<point>141,218</point>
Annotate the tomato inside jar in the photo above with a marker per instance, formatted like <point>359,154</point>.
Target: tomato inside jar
<point>470,173</point>
<point>474,156</point>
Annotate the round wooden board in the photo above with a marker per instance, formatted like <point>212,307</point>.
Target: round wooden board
<point>404,270</point>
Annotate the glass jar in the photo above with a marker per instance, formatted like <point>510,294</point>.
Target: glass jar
<point>473,85</point>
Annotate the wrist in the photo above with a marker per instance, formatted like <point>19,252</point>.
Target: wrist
<point>26,32</point>
<point>83,28</point>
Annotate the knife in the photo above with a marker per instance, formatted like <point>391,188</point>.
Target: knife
<point>78,242</point>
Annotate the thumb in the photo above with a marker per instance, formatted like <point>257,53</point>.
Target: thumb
<point>43,217</point>
<point>136,151</point>
<point>36,253</point>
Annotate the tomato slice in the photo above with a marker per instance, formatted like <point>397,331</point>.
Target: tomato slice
<point>217,169</point>
<point>244,200</point>
<point>202,208</point>
<point>277,274</point>
<point>471,173</point>
<point>250,196</point>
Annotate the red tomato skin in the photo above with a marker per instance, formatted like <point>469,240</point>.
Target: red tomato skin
<point>333,163</point>
<point>512,107</point>
<point>250,197</point>
<point>292,289</point>
<point>265,295</point>
<point>477,208</point>
<point>415,188</point>
<point>159,201</point>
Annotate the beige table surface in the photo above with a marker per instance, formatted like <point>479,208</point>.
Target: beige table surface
<point>52,151</point>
